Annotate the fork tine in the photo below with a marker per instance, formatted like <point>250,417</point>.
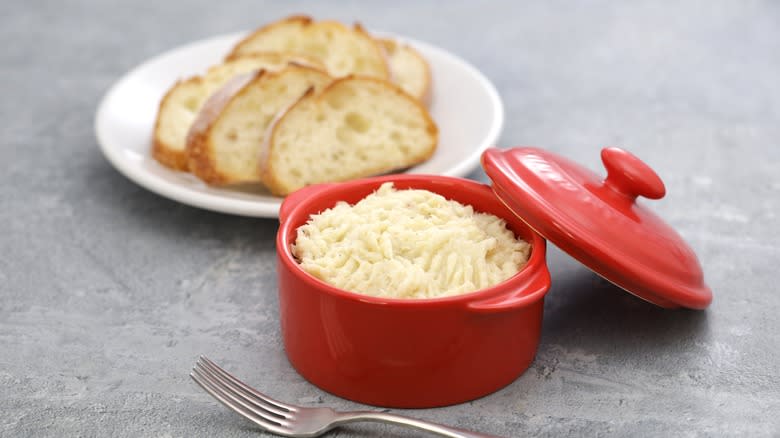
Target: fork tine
<point>273,427</point>
<point>256,415</point>
<point>244,386</point>
<point>214,376</point>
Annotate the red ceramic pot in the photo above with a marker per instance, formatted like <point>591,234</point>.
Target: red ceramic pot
<point>408,353</point>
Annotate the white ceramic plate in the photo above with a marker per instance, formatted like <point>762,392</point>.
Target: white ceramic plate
<point>465,106</point>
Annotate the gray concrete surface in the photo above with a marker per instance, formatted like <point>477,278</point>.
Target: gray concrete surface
<point>108,293</point>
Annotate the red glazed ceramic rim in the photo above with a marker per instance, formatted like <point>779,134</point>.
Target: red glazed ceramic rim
<point>536,263</point>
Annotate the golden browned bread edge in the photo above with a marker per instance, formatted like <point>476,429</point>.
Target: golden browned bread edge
<point>199,158</point>
<point>277,188</point>
<point>304,20</point>
<point>357,27</point>
<point>168,157</point>
<point>265,149</point>
<point>162,152</point>
<point>292,57</point>
<point>389,44</point>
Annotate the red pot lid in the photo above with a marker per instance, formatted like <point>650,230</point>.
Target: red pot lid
<point>598,221</point>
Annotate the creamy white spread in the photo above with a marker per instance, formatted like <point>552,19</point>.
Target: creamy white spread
<point>408,244</point>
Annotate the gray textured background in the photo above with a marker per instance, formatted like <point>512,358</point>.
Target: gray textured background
<point>108,293</point>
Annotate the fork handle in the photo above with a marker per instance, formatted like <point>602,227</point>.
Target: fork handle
<point>382,417</point>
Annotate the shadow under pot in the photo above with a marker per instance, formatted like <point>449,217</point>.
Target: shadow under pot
<point>408,353</point>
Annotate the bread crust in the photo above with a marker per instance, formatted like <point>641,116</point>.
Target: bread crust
<point>277,187</point>
<point>265,148</point>
<point>164,153</point>
<point>389,46</point>
<point>357,27</point>
<point>301,20</point>
<point>199,158</point>
<point>168,157</point>
<point>292,58</point>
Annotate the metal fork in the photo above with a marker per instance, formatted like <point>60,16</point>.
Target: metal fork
<point>296,421</point>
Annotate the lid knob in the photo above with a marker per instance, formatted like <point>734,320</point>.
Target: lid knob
<point>630,176</point>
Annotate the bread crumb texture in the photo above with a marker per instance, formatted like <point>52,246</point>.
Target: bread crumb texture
<point>408,244</point>
<point>183,102</point>
<point>355,127</point>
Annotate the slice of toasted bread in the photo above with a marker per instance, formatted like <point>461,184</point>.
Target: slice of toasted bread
<point>355,127</point>
<point>408,69</point>
<point>343,50</point>
<point>181,103</point>
<point>176,112</point>
<point>224,143</point>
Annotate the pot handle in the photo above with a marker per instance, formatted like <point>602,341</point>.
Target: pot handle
<point>537,284</point>
<point>293,199</point>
